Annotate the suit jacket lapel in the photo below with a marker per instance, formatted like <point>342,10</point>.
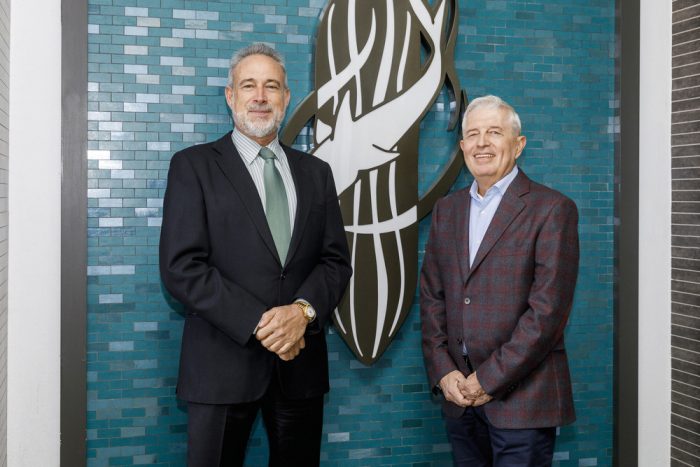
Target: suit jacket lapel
<point>462,224</point>
<point>511,205</point>
<point>304,191</point>
<point>234,169</point>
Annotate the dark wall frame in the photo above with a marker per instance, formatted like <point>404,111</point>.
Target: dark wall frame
<point>73,396</point>
<point>73,233</point>
<point>626,325</point>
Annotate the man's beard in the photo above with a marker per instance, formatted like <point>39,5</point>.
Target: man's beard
<point>259,127</point>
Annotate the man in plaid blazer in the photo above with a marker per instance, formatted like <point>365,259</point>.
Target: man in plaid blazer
<point>496,289</point>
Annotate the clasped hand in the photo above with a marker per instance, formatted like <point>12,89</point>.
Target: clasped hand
<point>281,330</point>
<point>463,391</point>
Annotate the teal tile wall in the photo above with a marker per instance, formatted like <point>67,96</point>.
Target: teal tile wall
<point>156,71</point>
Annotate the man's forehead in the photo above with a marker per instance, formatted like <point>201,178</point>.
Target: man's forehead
<point>253,65</point>
<point>487,116</point>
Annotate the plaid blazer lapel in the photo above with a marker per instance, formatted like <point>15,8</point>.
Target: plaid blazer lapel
<point>462,224</point>
<point>511,205</point>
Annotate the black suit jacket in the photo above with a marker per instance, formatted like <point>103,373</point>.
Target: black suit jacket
<point>218,258</point>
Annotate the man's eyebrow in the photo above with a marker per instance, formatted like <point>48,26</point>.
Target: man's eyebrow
<point>492,127</point>
<point>253,81</point>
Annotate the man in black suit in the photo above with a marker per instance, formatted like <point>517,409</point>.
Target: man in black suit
<point>253,245</point>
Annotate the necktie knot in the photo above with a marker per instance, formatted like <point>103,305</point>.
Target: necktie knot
<point>267,154</point>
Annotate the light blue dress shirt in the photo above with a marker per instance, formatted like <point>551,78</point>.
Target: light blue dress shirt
<point>483,208</point>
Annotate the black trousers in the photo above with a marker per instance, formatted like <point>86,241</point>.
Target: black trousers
<point>477,443</point>
<point>217,435</point>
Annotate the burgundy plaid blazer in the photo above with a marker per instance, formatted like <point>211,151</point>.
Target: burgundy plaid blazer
<point>510,307</point>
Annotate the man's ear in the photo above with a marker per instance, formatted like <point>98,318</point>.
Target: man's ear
<point>228,91</point>
<point>522,141</point>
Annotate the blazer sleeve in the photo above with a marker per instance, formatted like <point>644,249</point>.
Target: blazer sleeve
<point>433,310</point>
<point>324,286</point>
<point>541,326</point>
<point>184,253</point>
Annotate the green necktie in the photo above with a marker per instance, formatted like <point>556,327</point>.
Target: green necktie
<point>276,206</point>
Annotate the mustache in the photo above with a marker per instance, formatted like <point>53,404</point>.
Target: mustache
<point>259,107</point>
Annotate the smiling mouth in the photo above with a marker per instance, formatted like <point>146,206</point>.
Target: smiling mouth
<point>483,156</point>
<point>259,113</point>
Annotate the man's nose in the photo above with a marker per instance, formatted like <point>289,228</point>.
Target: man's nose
<point>260,94</point>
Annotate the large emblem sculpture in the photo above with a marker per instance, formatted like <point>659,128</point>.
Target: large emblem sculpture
<point>379,67</point>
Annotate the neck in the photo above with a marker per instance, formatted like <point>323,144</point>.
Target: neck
<point>482,185</point>
<point>265,140</point>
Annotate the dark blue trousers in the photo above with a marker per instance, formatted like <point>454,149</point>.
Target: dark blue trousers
<point>477,443</point>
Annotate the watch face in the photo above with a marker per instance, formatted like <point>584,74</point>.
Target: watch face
<point>310,313</point>
<point>307,311</point>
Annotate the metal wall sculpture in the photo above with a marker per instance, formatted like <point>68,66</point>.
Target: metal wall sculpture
<point>379,67</point>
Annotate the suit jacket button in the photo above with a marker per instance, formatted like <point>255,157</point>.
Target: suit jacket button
<point>467,301</point>
<point>282,276</point>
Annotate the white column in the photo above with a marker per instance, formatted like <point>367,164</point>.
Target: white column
<point>655,235</point>
<point>34,234</point>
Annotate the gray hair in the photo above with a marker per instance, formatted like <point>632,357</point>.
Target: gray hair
<point>258,48</point>
<point>493,102</point>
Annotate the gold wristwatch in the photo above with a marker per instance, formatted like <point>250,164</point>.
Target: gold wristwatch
<point>307,310</point>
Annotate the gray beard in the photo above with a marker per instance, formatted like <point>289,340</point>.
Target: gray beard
<point>260,128</point>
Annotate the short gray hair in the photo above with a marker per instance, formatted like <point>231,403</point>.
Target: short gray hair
<point>493,102</point>
<point>257,48</point>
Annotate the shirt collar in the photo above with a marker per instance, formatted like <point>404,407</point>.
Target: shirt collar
<point>500,186</point>
<point>249,148</point>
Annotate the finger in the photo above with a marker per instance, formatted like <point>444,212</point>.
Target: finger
<point>289,355</point>
<point>281,345</point>
<point>266,317</point>
<point>285,347</point>
<point>276,346</point>
<point>264,332</point>
<point>462,402</point>
<point>455,397</point>
<point>479,402</point>
<point>269,340</point>
<point>484,399</point>
<point>273,344</point>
